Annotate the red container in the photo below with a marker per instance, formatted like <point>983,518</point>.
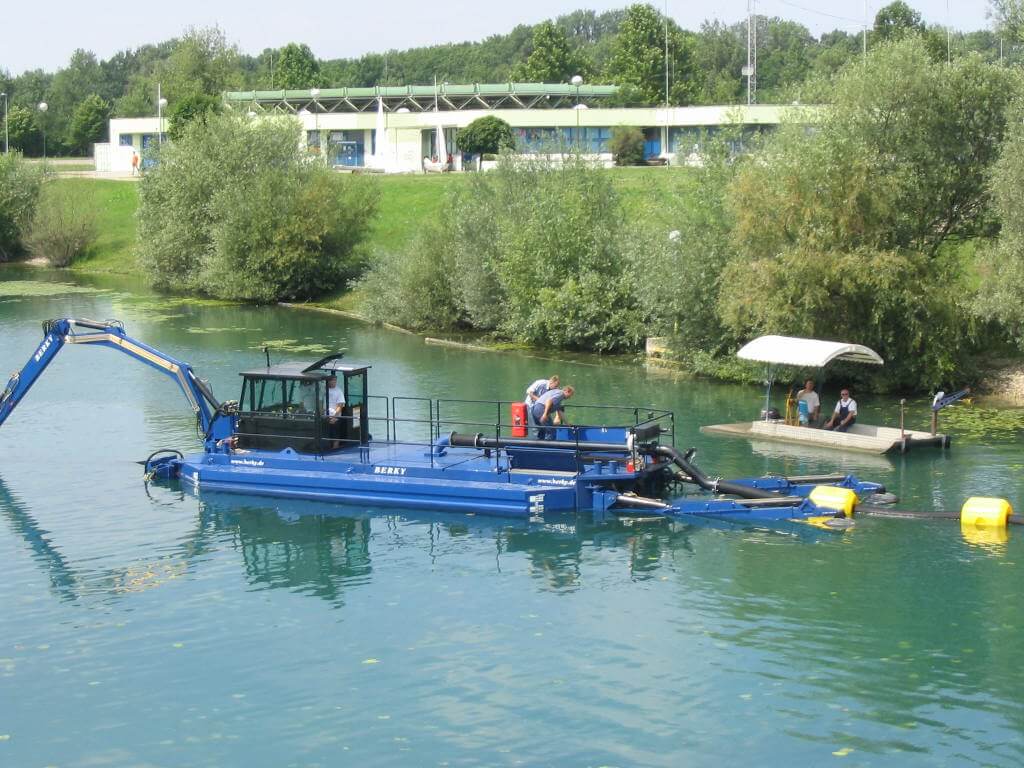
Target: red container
<point>518,419</point>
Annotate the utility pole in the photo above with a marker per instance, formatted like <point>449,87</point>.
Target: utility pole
<point>751,69</point>
<point>949,54</point>
<point>865,32</point>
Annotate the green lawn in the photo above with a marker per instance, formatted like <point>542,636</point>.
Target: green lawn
<point>114,203</point>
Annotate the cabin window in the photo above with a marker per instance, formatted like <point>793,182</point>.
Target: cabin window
<point>355,384</point>
<point>271,395</point>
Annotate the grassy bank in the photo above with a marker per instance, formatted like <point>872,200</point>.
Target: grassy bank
<point>406,204</point>
<point>114,203</point>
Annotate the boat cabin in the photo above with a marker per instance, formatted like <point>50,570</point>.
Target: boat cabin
<point>286,406</point>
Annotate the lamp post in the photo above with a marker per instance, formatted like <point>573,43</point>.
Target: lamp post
<point>7,146</point>
<point>161,105</point>
<point>43,106</point>
<point>577,80</point>
<point>315,93</point>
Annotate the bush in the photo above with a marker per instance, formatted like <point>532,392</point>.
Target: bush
<point>19,192</point>
<point>64,227</point>
<point>627,145</point>
<point>235,209</point>
<point>535,253</point>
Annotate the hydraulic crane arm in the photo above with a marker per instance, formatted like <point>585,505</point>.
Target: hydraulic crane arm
<point>57,333</point>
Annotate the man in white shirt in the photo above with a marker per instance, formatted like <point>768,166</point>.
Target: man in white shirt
<point>538,388</point>
<point>845,413</point>
<point>335,398</point>
<point>809,396</point>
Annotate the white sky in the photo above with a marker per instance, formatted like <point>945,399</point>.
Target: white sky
<point>29,39</point>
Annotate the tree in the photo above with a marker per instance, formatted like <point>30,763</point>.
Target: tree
<point>297,68</point>
<point>71,85</point>
<point>895,21</point>
<point>638,58</point>
<point>88,124</point>
<point>553,59</point>
<point>202,62</point>
<point>855,222</point>
<point>1000,293</point>
<point>22,131</point>
<point>1009,17</point>
<point>197,107</point>
<point>720,53</point>
<point>19,191</point>
<point>486,135</point>
<point>627,145</point>
<point>235,209</point>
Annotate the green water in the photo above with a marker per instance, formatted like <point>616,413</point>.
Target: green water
<point>154,627</point>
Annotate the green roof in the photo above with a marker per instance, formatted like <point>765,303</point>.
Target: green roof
<point>421,97</point>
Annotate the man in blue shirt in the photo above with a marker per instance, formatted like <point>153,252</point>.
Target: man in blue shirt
<point>548,411</point>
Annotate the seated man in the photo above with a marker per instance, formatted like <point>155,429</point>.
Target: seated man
<point>307,397</point>
<point>809,411</point>
<point>845,413</point>
<point>548,411</point>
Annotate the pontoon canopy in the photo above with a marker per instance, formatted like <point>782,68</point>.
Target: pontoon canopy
<point>805,353</point>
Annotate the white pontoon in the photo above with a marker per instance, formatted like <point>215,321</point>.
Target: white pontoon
<point>814,353</point>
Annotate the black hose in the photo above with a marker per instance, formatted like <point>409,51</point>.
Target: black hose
<point>151,456</point>
<point>870,510</point>
<point>715,486</point>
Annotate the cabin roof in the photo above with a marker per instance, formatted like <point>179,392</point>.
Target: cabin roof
<point>805,353</point>
<point>297,371</point>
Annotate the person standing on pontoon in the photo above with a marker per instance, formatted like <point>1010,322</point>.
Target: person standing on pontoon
<point>535,390</point>
<point>809,412</point>
<point>538,388</point>
<point>548,411</point>
<point>845,413</point>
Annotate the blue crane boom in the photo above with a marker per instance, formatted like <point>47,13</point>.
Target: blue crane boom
<point>110,333</point>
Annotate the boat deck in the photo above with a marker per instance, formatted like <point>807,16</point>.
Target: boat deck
<point>867,438</point>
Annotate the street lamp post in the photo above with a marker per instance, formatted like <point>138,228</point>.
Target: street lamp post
<point>43,106</point>
<point>161,105</point>
<point>7,146</point>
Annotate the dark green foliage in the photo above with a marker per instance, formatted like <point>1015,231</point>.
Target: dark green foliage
<point>297,68</point>
<point>553,59</point>
<point>22,131</point>
<point>19,193</point>
<point>638,58</point>
<point>195,108</point>
<point>88,125</point>
<point>236,210</point>
<point>895,21</point>
<point>486,135</point>
<point>847,232</point>
<point>627,145</point>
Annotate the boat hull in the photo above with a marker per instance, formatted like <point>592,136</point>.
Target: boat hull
<point>866,438</point>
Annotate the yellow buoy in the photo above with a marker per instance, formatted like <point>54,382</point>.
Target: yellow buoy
<point>832,497</point>
<point>985,512</point>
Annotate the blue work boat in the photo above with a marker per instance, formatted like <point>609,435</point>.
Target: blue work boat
<point>278,440</point>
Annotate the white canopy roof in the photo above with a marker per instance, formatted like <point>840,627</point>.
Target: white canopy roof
<point>805,353</point>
